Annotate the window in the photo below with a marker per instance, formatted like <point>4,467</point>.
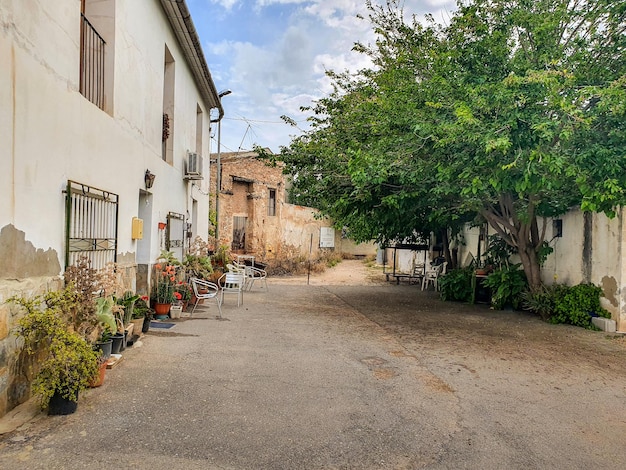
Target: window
<point>91,63</point>
<point>91,221</point>
<point>271,205</point>
<point>97,46</point>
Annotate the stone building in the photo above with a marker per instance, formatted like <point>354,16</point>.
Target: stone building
<point>255,217</point>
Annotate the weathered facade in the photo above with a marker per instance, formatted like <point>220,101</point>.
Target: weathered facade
<point>255,217</point>
<point>97,96</point>
<point>587,248</point>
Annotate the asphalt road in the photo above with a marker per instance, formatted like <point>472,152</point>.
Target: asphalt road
<point>341,377</point>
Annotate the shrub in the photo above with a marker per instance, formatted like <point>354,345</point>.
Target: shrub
<point>575,305</point>
<point>67,363</point>
<point>507,285</point>
<point>563,304</point>
<point>457,285</point>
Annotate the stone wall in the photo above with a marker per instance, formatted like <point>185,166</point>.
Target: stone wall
<point>246,185</point>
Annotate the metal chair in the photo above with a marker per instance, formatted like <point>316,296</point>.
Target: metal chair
<point>255,274</point>
<point>232,283</point>
<point>432,276</point>
<point>205,290</point>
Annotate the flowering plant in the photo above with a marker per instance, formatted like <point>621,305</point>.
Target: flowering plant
<point>184,291</point>
<point>164,283</point>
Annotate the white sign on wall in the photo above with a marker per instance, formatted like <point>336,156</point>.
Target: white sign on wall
<point>327,237</point>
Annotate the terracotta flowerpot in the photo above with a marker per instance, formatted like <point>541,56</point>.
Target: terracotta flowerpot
<point>162,309</point>
<point>99,380</point>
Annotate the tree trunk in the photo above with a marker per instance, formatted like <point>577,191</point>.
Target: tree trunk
<point>446,249</point>
<point>525,237</point>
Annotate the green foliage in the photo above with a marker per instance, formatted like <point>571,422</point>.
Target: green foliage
<point>512,109</point>
<point>127,302</point>
<point>574,305</point>
<point>142,309</point>
<point>563,304</point>
<point>498,252</point>
<point>457,285</point>
<point>221,257</point>
<point>507,285</point>
<point>105,316</point>
<point>67,362</point>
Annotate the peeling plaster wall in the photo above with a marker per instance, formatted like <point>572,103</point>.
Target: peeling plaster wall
<point>25,271</point>
<point>591,249</point>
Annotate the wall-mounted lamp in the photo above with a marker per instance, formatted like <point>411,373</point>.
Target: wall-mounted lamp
<point>149,179</point>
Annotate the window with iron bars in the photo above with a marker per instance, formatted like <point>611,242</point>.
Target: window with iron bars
<point>91,63</point>
<point>91,217</point>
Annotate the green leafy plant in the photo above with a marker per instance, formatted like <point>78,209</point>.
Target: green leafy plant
<point>541,301</point>
<point>457,285</point>
<point>221,257</point>
<point>507,285</point>
<point>127,302</point>
<point>575,305</point>
<point>66,362</point>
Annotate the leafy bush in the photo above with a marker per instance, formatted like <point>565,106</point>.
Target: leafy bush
<point>507,285</point>
<point>67,363</point>
<point>563,304</point>
<point>457,285</point>
<point>576,304</point>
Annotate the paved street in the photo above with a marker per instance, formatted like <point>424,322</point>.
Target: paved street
<point>317,377</point>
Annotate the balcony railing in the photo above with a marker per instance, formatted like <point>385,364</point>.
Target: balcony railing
<point>91,63</point>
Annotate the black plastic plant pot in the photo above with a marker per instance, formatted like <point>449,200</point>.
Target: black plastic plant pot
<point>60,406</point>
<point>118,342</point>
<point>105,347</point>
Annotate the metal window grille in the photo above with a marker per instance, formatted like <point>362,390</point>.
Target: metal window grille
<point>175,234</point>
<point>91,216</point>
<point>91,63</point>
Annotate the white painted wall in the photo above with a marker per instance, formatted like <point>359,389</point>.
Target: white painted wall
<point>51,133</point>
<point>605,265</point>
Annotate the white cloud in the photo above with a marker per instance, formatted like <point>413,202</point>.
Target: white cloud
<point>281,64</point>
<point>226,4</point>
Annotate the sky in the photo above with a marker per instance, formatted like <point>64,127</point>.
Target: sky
<point>273,54</point>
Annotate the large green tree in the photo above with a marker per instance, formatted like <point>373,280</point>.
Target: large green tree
<point>514,110</point>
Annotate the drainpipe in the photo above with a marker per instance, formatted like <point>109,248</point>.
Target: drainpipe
<point>218,178</point>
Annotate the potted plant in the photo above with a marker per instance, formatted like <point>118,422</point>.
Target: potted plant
<point>127,302</point>
<point>184,292</point>
<point>142,310</point>
<point>163,284</point>
<point>66,362</point>
<point>197,262</point>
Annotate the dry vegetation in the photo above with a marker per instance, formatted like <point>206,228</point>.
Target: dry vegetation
<point>292,262</point>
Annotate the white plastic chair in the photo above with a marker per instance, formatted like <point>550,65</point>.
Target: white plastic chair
<point>255,274</point>
<point>232,283</point>
<point>432,276</point>
<point>209,291</point>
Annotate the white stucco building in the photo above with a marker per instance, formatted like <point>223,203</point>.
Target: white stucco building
<point>94,96</point>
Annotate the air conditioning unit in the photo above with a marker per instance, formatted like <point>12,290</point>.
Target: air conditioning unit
<point>193,169</point>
